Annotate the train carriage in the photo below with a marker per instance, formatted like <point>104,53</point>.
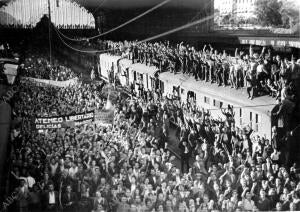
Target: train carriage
<point>255,113</point>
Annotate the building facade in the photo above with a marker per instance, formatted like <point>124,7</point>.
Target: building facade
<point>237,8</point>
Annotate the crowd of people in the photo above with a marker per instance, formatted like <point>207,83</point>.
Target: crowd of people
<point>260,73</point>
<point>37,65</point>
<point>127,166</point>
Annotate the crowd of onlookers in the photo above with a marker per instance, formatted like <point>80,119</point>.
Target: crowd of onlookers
<point>127,166</point>
<point>38,66</point>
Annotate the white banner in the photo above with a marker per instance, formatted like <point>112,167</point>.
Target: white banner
<point>10,71</point>
<point>45,82</point>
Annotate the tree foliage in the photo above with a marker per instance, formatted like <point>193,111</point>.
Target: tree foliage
<point>269,12</point>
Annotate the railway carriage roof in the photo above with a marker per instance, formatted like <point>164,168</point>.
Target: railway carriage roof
<point>141,68</point>
<point>237,98</point>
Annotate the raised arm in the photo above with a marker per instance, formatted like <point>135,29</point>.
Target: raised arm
<point>262,52</point>
<point>204,48</point>
<point>250,51</point>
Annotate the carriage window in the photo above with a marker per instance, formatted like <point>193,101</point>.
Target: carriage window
<point>162,86</point>
<point>176,91</point>
<point>257,117</point>
<point>241,117</point>
<point>221,105</point>
<point>250,116</point>
<point>134,76</point>
<point>147,79</point>
<point>214,102</point>
<point>206,100</point>
<point>152,82</point>
<point>191,96</point>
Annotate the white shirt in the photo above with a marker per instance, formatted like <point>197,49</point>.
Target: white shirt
<point>30,181</point>
<point>186,150</point>
<point>248,205</point>
<point>53,168</point>
<point>51,197</point>
<point>72,171</point>
<point>275,156</point>
<point>260,68</point>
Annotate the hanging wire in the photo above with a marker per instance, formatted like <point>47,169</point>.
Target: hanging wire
<point>145,40</point>
<point>120,26</point>
<point>103,1</point>
<point>79,50</point>
<point>177,29</point>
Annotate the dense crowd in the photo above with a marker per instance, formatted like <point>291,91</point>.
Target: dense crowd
<point>127,166</point>
<point>37,65</point>
<point>261,74</point>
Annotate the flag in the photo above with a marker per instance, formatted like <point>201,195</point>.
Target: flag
<point>109,105</point>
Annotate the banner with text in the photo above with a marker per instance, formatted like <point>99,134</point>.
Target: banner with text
<point>104,117</point>
<point>63,121</point>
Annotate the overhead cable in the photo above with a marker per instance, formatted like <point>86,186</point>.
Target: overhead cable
<point>120,26</point>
